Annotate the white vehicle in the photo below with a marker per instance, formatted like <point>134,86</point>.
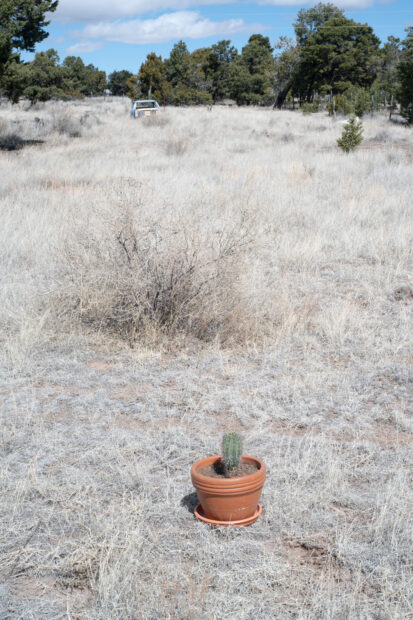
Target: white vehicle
<point>144,107</point>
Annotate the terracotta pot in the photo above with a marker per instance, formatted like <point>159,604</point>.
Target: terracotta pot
<point>229,499</point>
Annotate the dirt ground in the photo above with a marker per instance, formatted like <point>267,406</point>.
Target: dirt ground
<point>98,432</point>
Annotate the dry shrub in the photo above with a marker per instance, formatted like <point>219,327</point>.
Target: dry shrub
<point>4,126</point>
<point>65,123</point>
<point>155,120</point>
<point>382,136</point>
<point>287,137</point>
<point>175,146</point>
<point>155,278</point>
<point>89,119</point>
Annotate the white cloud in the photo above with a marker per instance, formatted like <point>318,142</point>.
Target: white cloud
<point>341,4</point>
<point>84,47</point>
<point>71,11</point>
<point>179,25</point>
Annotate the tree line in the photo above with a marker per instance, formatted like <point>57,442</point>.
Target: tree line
<point>332,58</point>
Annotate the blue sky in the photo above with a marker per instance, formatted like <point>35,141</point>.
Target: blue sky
<point>118,34</point>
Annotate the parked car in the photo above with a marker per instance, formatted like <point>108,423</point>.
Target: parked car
<point>144,107</point>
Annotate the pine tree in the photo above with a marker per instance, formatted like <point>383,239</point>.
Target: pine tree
<point>405,72</point>
<point>352,135</point>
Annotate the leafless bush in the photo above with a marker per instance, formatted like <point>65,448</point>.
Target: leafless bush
<point>158,278</point>
<point>175,146</point>
<point>155,120</point>
<point>65,123</point>
<point>88,120</point>
<point>382,136</point>
<point>287,137</point>
<point>38,106</point>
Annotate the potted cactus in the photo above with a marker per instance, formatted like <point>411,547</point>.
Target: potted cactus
<point>229,485</point>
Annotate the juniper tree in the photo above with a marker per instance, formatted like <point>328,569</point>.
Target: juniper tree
<point>405,72</point>
<point>22,25</point>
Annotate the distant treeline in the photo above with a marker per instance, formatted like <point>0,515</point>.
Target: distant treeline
<point>332,58</point>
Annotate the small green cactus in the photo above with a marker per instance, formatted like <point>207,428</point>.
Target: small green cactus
<point>231,452</point>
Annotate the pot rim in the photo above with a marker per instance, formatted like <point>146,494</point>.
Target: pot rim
<point>260,474</point>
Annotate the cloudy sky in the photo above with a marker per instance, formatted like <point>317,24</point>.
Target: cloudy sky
<point>118,34</point>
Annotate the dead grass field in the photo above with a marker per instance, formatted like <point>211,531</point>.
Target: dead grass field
<point>163,282</point>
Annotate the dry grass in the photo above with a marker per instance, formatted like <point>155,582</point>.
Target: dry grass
<point>259,280</point>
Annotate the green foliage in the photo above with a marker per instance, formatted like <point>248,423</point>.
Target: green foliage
<point>311,108</point>
<point>182,95</point>
<point>133,89</point>
<point>309,21</point>
<point>252,73</point>
<point>199,74</point>
<point>342,104</point>
<point>405,74</point>
<point>335,52</point>
<point>14,79</point>
<point>151,76</point>
<point>231,452</point>
<point>46,78</point>
<point>352,135</point>
<point>81,78</point>
<point>182,79</point>
<point>117,83</point>
<point>357,101</point>
<point>286,70</point>
<point>387,80</point>
<point>177,66</point>
<point>221,57</point>
<point>362,102</point>
<point>22,25</point>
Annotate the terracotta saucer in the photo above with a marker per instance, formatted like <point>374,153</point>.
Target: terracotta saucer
<point>199,513</point>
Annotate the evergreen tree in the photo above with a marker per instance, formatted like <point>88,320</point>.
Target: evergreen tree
<point>340,54</point>
<point>405,73</point>
<point>186,75</point>
<point>95,82</point>
<point>45,77</point>
<point>117,82</point>
<point>199,76</point>
<point>151,74</point>
<point>151,81</point>
<point>309,21</point>
<point>287,67</point>
<point>14,80</point>
<point>22,25</point>
<point>221,57</point>
<point>177,66</point>
<point>252,73</point>
<point>291,74</point>
<point>352,135</point>
<point>387,82</point>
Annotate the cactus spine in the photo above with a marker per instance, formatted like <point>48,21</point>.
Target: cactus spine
<point>231,452</point>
